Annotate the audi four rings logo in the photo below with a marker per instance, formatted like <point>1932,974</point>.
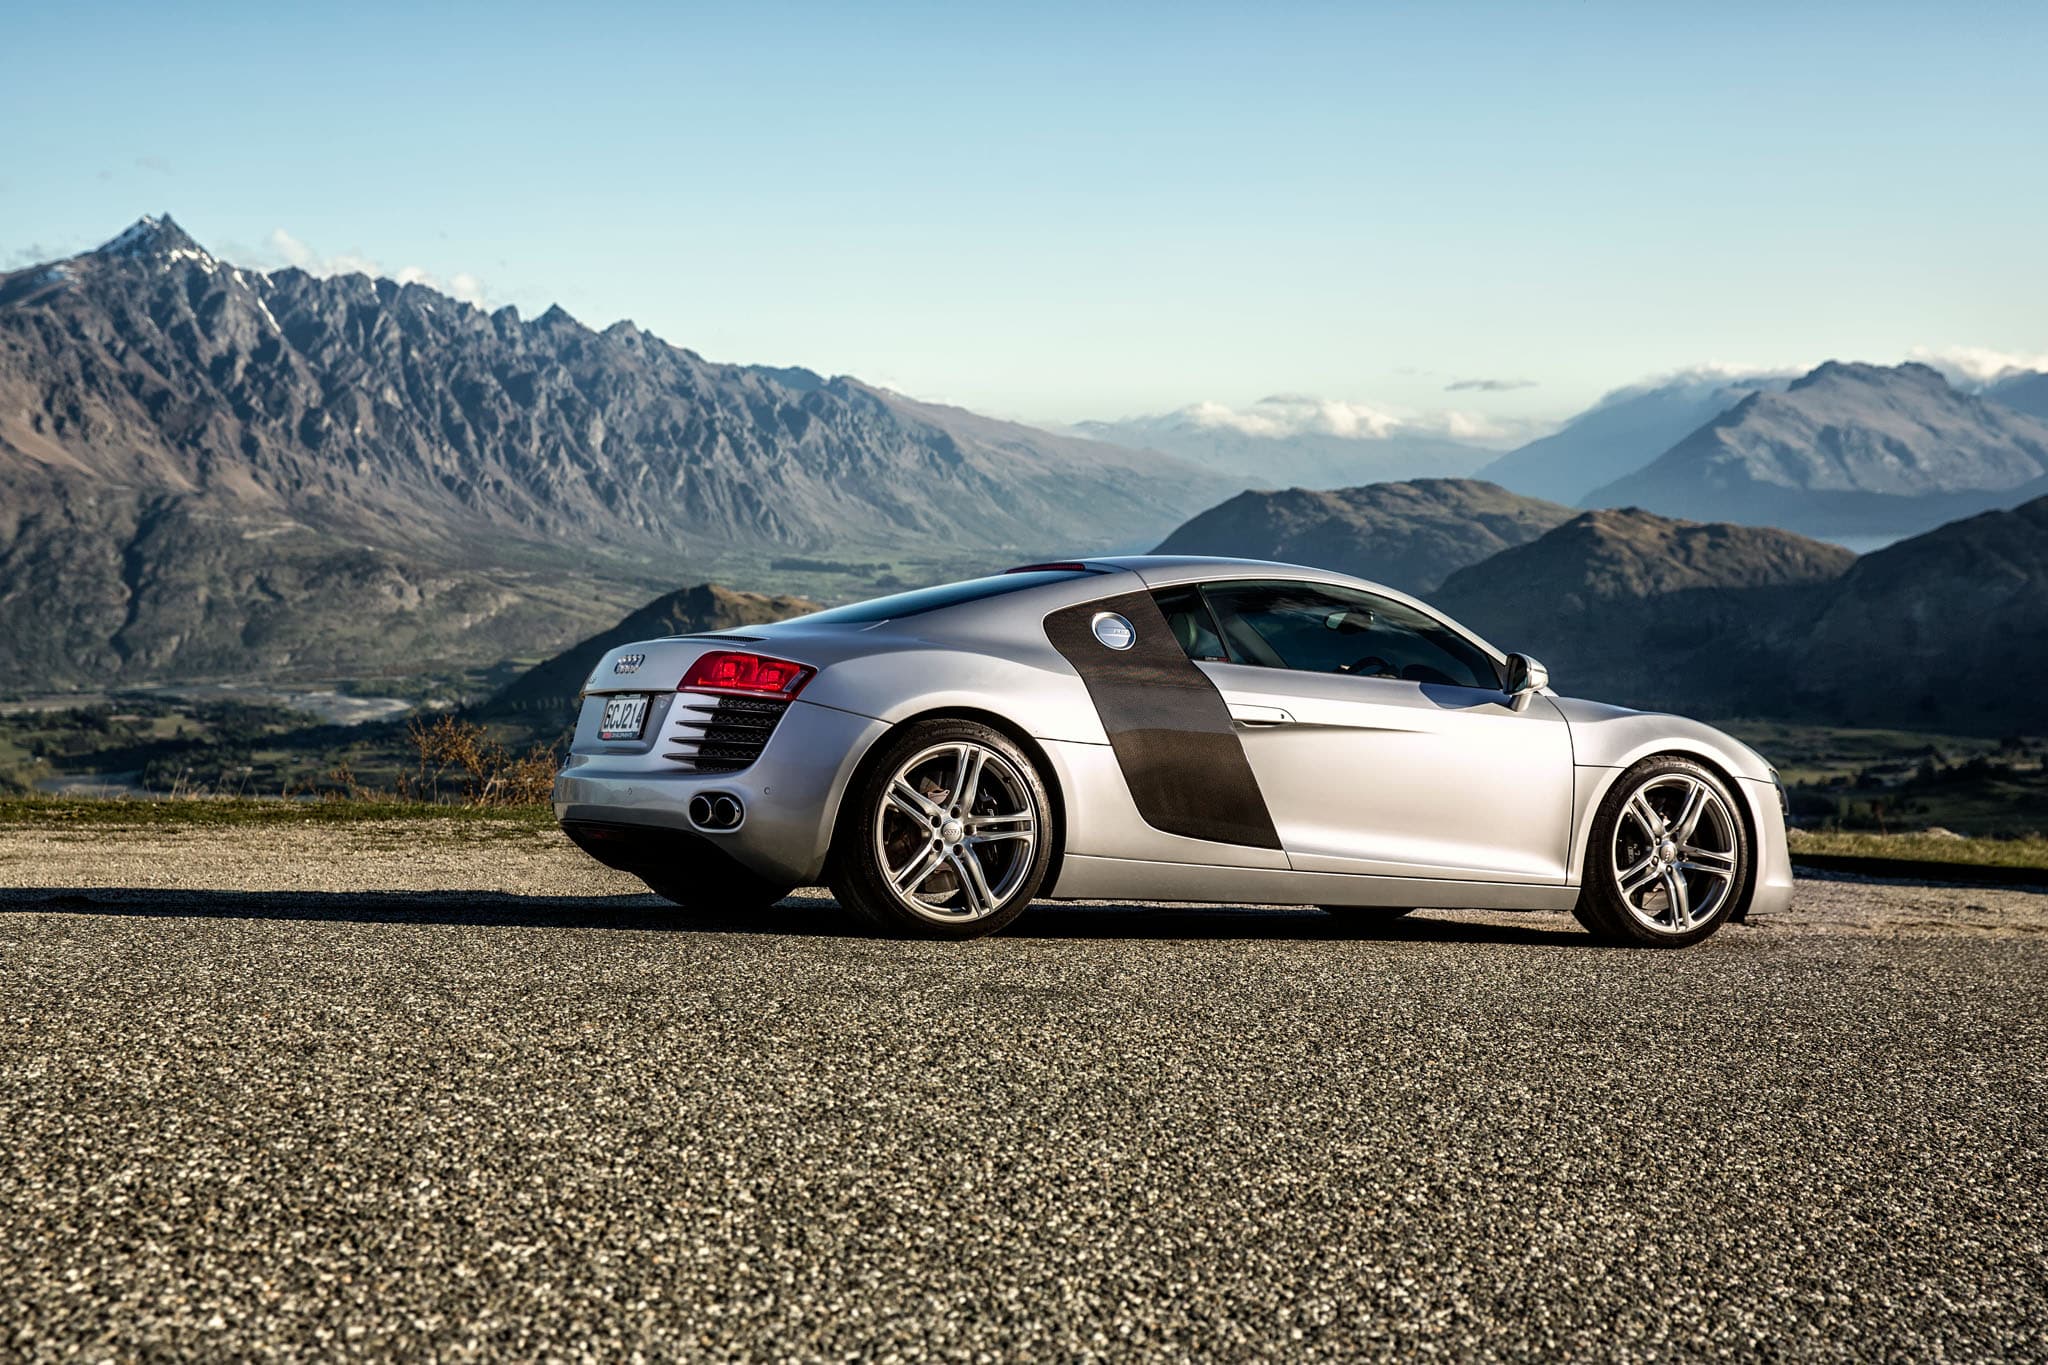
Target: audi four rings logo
<point>1113,631</point>
<point>629,663</point>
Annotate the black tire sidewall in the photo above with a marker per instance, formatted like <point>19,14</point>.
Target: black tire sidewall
<point>858,878</point>
<point>1600,907</point>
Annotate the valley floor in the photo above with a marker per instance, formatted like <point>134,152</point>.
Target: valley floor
<point>440,1086</point>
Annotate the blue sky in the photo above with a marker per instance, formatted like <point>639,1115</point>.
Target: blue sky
<point>1060,212</point>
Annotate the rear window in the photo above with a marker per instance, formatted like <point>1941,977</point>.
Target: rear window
<point>902,604</point>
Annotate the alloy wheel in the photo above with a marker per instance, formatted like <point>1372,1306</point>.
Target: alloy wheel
<point>956,832</point>
<point>1675,853</point>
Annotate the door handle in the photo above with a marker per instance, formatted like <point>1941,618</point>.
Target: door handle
<point>1244,713</point>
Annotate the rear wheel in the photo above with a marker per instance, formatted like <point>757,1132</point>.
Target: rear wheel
<point>946,836</point>
<point>1668,861</point>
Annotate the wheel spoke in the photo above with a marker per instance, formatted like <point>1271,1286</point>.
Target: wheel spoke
<point>967,778</point>
<point>1681,902</point>
<point>973,884</point>
<point>1708,860</point>
<point>1639,876</point>
<point>1696,799</point>
<point>1646,814</point>
<point>987,822</point>
<point>911,801</point>
<point>999,836</point>
<point>907,879</point>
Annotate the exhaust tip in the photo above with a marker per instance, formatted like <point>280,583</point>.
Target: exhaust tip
<point>716,812</point>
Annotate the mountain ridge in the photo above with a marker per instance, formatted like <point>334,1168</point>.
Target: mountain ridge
<point>1407,533</point>
<point>493,470</point>
<point>1847,449</point>
<point>1623,432</point>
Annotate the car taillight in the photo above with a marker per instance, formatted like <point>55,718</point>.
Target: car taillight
<point>753,675</point>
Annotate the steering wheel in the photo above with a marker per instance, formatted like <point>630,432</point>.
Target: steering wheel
<point>1381,668</point>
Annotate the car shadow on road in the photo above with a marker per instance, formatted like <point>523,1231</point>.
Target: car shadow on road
<point>801,915</point>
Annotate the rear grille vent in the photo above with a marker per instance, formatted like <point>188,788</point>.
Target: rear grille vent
<point>722,736</point>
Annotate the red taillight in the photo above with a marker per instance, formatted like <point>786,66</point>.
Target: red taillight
<point>752,674</point>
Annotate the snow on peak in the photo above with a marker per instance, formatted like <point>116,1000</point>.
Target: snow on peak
<point>157,239</point>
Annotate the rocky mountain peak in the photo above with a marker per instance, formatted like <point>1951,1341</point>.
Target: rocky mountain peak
<point>155,238</point>
<point>1836,372</point>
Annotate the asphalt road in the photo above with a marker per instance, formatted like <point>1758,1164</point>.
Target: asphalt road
<point>255,1105</point>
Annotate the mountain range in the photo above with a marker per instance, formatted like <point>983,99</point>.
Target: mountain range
<point>1623,432</point>
<point>1847,450</point>
<point>209,471</point>
<point>205,469</point>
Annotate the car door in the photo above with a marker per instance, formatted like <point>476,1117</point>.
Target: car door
<point>1380,737</point>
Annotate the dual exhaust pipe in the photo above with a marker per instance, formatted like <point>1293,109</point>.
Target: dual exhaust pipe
<point>717,812</point>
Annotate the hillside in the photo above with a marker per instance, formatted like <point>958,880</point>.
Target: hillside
<point>1408,535</point>
<point>1945,631</point>
<point>207,469</point>
<point>1847,450</point>
<point>2027,393</point>
<point>550,688</point>
<point>1631,607</point>
<point>1932,633</point>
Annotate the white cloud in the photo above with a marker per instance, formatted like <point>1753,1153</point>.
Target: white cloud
<point>1294,414</point>
<point>291,251</point>
<point>1978,364</point>
<point>1470,426</point>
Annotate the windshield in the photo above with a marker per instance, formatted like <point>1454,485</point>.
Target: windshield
<point>902,604</point>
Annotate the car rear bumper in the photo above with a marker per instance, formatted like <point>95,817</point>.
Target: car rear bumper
<point>790,795</point>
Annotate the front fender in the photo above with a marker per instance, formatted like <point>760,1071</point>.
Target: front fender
<point>1613,737</point>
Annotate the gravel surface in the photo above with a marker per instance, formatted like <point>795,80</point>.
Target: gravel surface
<point>436,1091</point>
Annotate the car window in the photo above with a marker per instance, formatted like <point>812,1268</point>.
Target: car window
<point>1187,616</point>
<point>1323,628</point>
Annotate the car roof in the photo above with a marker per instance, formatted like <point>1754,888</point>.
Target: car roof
<point>1159,570</point>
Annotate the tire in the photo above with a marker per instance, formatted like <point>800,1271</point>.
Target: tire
<point>1368,914</point>
<point>1662,872</point>
<point>913,860</point>
<point>732,889</point>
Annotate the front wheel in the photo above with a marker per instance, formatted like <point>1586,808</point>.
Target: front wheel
<point>947,835</point>
<point>1668,861</point>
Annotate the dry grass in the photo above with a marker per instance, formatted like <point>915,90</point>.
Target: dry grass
<point>458,759</point>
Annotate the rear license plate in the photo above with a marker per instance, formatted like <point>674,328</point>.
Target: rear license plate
<point>623,717</point>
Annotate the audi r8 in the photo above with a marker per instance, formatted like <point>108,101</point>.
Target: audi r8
<point>1157,729</point>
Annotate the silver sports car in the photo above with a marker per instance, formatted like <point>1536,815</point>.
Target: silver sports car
<point>1157,728</point>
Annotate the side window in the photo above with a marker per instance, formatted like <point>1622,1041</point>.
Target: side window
<point>1321,628</point>
<point>1187,616</point>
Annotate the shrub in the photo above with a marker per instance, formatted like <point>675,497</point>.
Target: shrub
<point>462,755</point>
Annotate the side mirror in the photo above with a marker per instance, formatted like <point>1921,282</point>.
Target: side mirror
<point>1525,676</point>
